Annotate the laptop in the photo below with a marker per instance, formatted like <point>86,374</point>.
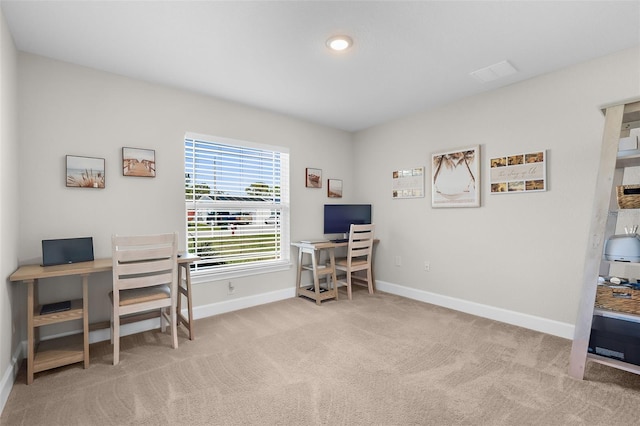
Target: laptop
<point>67,250</point>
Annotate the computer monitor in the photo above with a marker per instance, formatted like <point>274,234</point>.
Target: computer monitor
<point>67,250</point>
<point>339,217</point>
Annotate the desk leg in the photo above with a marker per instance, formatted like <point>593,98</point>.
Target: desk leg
<point>316,281</point>
<point>186,291</point>
<point>180,292</point>
<point>85,318</point>
<point>299,276</point>
<point>373,277</point>
<point>30,329</point>
<point>189,302</point>
<point>332,262</point>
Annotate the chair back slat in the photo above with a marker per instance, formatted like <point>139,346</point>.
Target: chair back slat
<point>134,254</point>
<point>149,266</point>
<point>128,283</point>
<point>144,240</point>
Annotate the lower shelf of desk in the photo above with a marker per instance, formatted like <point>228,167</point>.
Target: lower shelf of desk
<point>58,352</point>
<point>76,312</point>
<point>327,294</point>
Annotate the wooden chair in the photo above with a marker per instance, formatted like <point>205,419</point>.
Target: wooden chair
<point>359,256</point>
<point>145,278</point>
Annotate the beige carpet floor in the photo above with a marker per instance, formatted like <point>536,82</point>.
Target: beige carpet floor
<point>376,360</point>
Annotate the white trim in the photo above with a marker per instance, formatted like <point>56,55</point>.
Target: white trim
<point>125,330</point>
<point>220,275</point>
<point>9,376</point>
<point>544,325</point>
<point>200,312</point>
<point>242,303</point>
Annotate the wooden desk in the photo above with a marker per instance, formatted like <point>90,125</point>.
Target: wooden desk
<point>313,249</point>
<point>66,350</point>
<point>69,350</point>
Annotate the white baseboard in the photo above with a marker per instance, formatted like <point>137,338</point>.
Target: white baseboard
<point>200,312</point>
<point>555,328</point>
<point>9,376</point>
<point>125,330</point>
<point>242,303</point>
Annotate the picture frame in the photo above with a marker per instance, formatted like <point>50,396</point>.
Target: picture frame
<point>519,173</point>
<point>455,178</point>
<point>408,183</point>
<point>334,188</point>
<point>313,178</point>
<point>85,172</point>
<point>138,162</point>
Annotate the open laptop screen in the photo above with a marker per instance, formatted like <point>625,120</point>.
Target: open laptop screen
<point>67,250</point>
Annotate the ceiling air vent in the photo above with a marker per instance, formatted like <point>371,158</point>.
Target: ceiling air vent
<point>494,72</point>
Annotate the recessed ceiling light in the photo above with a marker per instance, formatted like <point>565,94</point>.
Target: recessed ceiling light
<point>339,43</point>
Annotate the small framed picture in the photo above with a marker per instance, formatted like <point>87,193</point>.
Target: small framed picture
<point>138,162</point>
<point>408,183</point>
<point>313,178</point>
<point>334,188</point>
<point>85,172</point>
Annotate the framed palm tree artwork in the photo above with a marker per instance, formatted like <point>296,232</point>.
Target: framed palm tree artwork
<point>455,178</point>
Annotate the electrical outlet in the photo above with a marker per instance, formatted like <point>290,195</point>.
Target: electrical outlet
<point>231,288</point>
<point>427,266</point>
<point>398,261</point>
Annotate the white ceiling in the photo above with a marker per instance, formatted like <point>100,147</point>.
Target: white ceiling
<point>408,56</point>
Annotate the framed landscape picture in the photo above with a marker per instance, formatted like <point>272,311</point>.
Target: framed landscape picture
<point>138,162</point>
<point>334,189</point>
<point>85,172</point>
<point>313,178</point>
<point>456,178</point>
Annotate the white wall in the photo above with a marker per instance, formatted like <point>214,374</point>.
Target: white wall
<point>518,252</point>
<point>10,309</point>
<point>67,109</point>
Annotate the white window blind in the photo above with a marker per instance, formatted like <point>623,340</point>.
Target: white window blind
<point>237,204</point>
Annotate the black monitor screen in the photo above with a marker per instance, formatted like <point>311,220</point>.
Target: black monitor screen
<point>67,250</point>
<point>339,217</point>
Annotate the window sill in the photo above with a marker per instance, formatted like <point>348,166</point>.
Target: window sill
<point>208,276</point>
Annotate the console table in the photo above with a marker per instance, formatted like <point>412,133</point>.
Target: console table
<point>71,349</point>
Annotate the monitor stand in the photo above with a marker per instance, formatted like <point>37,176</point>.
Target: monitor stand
<point>341,239</point>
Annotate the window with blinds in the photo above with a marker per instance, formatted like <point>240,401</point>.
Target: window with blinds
<point>237,204</point>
